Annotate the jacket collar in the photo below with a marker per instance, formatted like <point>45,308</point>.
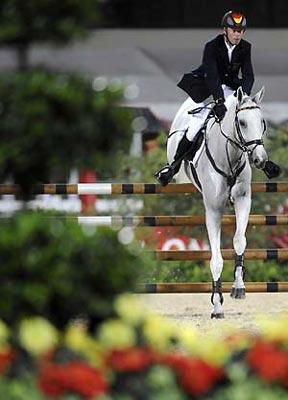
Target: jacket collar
<point>223,49</point>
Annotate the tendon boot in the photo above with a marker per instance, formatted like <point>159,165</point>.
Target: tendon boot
<point>271,170</point>
<point>185,150</point>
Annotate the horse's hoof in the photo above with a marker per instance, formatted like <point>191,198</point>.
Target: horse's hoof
<point>238,293</point>
<point>217,315</point>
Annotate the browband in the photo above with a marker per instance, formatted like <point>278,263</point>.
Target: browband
<point>246,108</point>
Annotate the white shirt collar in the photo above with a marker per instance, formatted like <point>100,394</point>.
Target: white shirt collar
<point>230,48</point>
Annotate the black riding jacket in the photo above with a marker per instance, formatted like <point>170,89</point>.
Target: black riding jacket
<point>216,69</point>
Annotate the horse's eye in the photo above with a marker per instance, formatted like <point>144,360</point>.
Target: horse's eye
<point>242,123</point>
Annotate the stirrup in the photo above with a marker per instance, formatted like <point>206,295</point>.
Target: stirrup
<point>165,175</point>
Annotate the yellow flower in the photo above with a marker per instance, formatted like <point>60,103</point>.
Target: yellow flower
<point>188,338</point>
<point>116,334</point>
<point>213,350</point>
<point>76,336</point>
<point>37,335</point>
<point>130,309</point>
<point>159,332</point>
<point>77,339</point>
<point>4,335</point>
<point>95,353</point>
<point>274,329</point>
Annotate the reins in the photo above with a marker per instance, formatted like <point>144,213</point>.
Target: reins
<point>241,145</point>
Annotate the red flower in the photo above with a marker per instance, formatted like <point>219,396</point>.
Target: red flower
<point>131,359</point>
<point>85,380</point>
<point>176,361</point>
<point>53,380</point>
<point>74,377</point>
<point>196,376</point>
<point>199,377</point>
<point>269,362</point>
<point>6,359</point>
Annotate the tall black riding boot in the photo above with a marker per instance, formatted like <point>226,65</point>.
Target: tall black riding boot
<point>185,150</point>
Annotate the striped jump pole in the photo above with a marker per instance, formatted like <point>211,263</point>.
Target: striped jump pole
<point>176,220</point>
<point>228,254</point>
<point>205,287</point>
<point>131,188</point>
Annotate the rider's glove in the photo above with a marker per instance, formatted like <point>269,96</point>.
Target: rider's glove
<point>219,109</point>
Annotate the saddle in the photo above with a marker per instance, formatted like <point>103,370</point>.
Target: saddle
<point>199,137</point>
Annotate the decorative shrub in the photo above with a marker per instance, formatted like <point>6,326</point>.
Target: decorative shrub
<point>61,271</point>
<point>52,122</point>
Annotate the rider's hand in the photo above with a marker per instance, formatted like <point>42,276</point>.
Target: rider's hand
<point>219,109</point>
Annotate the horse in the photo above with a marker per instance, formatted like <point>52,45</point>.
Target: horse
<point>221,171</point>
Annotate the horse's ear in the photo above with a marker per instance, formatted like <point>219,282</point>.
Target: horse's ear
<point>239,95</point>
<point>259,96</point>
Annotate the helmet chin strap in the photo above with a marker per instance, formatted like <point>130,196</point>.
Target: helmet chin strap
<point>226,37</point>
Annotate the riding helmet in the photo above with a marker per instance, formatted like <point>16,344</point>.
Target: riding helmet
<point>234,20</point>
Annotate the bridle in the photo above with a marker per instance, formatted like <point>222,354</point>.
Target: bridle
<point>241,144</point>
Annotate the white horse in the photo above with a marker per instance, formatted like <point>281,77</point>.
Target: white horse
<point>223,173</point>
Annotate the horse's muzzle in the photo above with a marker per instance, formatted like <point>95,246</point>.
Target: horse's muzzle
<point>259,157</point>
<point>260,164</point>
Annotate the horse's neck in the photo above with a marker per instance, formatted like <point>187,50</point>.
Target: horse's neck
<point>217,141</point>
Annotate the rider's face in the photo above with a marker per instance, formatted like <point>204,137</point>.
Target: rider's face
<point>234,36</point>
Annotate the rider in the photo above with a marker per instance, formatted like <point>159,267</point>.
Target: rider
<point>223,58</point>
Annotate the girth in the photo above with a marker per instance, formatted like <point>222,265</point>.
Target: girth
<point>231,179</point>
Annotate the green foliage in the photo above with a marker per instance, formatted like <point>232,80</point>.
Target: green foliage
<point>159,384</point>
<point>187,271</point>
<point>60,271</point>
<point>27,389</point>
<point>51,123</point>
<point>23,23</point>
<point>245,386</point>
<point>276,145</point>
<point>39,20</point>
<point>20,389</point>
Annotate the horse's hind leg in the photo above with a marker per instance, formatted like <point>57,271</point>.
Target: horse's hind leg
<point>242,210</point>
<point>213,223</point>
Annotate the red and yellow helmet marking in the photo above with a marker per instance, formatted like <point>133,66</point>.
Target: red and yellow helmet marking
<point>237,18</point>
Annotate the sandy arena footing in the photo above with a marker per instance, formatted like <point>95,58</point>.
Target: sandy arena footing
<point>195,309</point>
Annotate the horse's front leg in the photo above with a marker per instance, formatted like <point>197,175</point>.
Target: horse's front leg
<point>242,210</point>
<point>213,224</point>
